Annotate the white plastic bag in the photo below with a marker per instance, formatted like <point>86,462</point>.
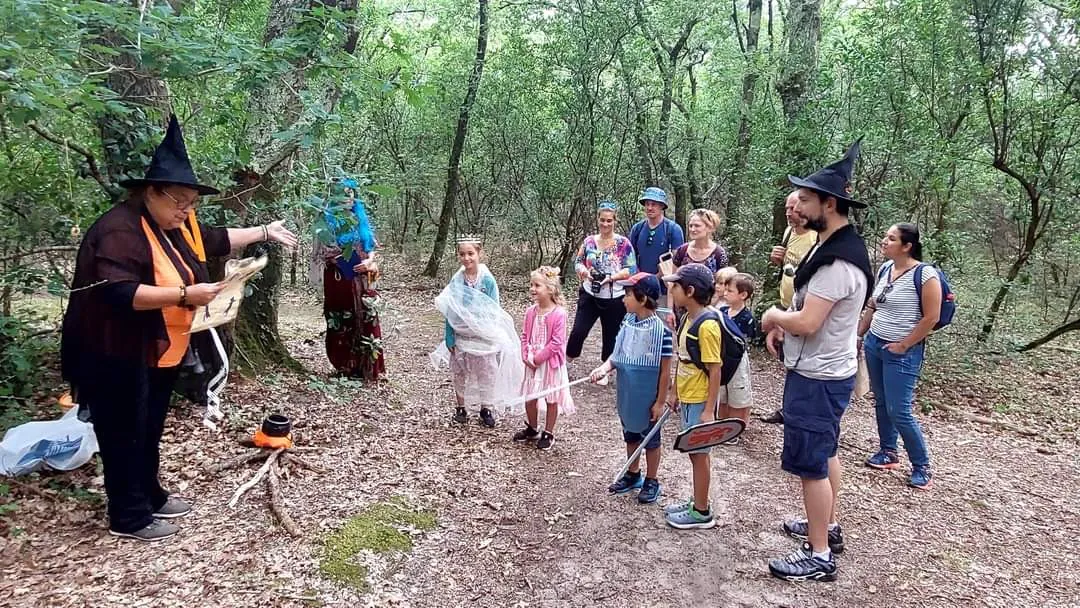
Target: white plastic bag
<point>63,444</point>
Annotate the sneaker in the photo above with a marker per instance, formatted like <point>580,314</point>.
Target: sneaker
<point>732,441</point>
<point>626,483</point>
<point>921,477</point>
<point>690,519</point>
<point>486,418</point>
<point>460,416</point>
<point>526,434</point>
<point>776,417</point>
<point>173,507</point>
<point>884,459</point>
<point>152,532</point>
<point>798,528</point>
<point>679,507</point>
<point>801,565</point>
<point>650,492</point>
<point>546,441</point>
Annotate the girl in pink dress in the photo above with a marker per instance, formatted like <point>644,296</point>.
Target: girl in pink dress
<point>543,349</point>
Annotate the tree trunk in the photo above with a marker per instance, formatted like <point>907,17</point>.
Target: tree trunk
<point>739,193</point>
<point>446,216</point>
<point>276,107</point>
<point>802,34</point>
<point>127,137</point>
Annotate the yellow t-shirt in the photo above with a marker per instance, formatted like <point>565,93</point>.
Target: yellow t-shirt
<point>691,382</point>
<point>797,248</point>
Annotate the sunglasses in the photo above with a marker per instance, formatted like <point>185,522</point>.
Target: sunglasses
<point>179,205</point>
<point>881,299</point>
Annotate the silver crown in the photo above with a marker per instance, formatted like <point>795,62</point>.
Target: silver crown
<point>469,239</point>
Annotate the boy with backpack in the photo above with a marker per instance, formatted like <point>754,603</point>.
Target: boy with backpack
<point>736,396</point>
<point>709,353</point>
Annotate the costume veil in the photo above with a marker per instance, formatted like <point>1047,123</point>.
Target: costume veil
<point>482,328</point>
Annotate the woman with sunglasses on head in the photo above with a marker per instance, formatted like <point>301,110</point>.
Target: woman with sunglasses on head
<point>139,274</point>
<point>899,317</point>
<point>602,260</point>
<point>700,248</point>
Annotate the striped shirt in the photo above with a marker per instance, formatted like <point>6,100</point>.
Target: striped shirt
<point>642,343</point>
<point>897,316</point>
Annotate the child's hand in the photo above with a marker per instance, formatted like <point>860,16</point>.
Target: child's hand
<point>596,374</point>
<point>656,411</point>
<point>707,416</point>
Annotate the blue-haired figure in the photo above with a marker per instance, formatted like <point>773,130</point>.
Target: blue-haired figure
<point>349,273</point>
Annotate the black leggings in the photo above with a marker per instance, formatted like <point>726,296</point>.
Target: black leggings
<point>589,309</point>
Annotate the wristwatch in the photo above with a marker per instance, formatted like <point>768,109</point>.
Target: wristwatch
<point>183,295</point>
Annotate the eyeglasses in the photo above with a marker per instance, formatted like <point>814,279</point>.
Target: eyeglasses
<point>182,206</point>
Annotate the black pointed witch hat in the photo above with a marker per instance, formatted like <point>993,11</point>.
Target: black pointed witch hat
<point>171,164</point>
<point>835,179</point>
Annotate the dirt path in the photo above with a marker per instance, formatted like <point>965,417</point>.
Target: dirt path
<point>517,527</point>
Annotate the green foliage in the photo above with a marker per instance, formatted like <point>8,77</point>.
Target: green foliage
<point>22,357</point>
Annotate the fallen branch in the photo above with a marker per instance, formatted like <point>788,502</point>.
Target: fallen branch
<point>297,460</point>
<point>1001,424</point>
<point>255,479</point>
<point>276,504</point>
<point>236,462</point>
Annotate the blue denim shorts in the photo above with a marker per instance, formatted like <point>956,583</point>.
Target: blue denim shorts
<point>630,437</point>
<point>690,415</point>
<point>812,411</point>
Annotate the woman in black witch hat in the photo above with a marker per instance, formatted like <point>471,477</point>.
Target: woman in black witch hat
<point>139,274</point>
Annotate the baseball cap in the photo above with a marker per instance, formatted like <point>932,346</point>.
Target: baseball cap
<point>643,283</point>
<point>657,195</point>
<point>697,276</point>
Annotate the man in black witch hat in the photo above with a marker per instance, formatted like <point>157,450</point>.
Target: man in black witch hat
<point>139,274</point>
<point>832,284</point>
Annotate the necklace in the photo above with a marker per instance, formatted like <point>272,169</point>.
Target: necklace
<point>473,281</point>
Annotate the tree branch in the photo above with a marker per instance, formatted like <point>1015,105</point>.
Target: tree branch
<point>24,254</point>
<point>74,147</point>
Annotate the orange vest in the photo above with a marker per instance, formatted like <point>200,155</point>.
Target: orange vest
<point>177,318</point>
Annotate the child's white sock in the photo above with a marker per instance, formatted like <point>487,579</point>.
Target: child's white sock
<point>834,525</point>
<point>825,555</point>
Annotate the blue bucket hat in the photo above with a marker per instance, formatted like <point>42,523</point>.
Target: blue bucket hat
<point>652,193</point>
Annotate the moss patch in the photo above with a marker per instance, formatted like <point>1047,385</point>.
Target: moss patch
<point>374,529</point>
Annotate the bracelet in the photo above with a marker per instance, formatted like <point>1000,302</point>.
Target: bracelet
<point>183,295</point>
<point>266,233</point>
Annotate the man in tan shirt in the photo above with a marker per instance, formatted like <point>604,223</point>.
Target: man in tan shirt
<point>798,241</point>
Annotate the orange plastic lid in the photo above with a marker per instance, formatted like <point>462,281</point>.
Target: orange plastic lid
<point>263,440</point>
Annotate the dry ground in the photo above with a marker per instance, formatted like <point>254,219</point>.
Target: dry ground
<point>521,528</point>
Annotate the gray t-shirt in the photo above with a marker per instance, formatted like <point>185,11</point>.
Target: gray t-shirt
<point>829,353</point>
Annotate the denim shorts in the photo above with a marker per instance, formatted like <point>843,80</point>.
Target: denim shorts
<point>630,437</point>
<point>812,411</point>
<point>690,415</point>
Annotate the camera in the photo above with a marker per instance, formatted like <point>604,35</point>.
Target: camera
<point>595,278</point>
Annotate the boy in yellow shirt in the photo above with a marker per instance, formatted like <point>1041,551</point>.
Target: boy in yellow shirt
<point>696,388</point>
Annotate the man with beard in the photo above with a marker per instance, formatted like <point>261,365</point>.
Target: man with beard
<point>797,241</point>
<point>819,345</point>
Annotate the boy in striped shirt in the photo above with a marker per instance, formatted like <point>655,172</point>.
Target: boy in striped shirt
<point>642,357</point>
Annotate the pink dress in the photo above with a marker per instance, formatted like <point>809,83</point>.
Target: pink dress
<point>544,343</point>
